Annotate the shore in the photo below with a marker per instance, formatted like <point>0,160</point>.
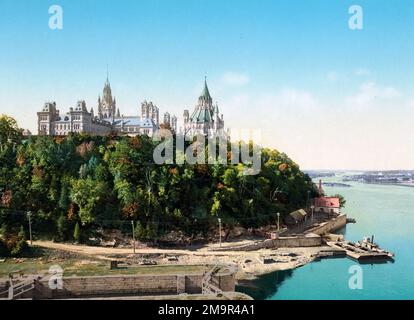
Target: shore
<point>248,264</point>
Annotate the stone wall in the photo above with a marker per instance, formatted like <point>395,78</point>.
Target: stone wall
<point>130,285</point>
<point>330,226</point>
<point>308,240</point>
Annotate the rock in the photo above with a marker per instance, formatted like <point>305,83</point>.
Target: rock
<point>146,262</point>
<point>110,244</point>
<point>237,232</point>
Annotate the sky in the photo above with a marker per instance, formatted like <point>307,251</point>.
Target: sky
<point>328,96</point>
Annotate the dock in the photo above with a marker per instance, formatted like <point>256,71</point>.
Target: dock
<point>358,252</point>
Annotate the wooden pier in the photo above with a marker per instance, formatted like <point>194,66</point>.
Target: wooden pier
<point>358,252</point>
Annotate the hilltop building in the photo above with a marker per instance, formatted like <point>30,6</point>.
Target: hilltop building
<point>108,118</point>
<point>78,120</point>
<point>205,119</point>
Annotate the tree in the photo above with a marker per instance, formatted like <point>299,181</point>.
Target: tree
<point>104,181</point>
<point>90,196</point>
<point>77,233</point>
<point>140,231</point>
<point>18,246</point>
<point>22,233</point>
<point>342,201</point>
<point>3,249</point>
<point>9,131</point>
<point>63,227</point>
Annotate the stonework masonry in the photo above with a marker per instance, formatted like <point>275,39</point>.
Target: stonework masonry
<point>128,285</point>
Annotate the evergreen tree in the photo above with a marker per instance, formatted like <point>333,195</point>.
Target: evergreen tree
<point>77,233</point>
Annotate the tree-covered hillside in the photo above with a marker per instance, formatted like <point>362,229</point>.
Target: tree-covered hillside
<point>105,182</point>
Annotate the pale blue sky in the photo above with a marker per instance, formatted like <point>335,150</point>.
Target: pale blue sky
<point>318,90</point>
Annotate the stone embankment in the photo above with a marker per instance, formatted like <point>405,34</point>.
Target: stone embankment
<point>125,285</point>
<point>313,237</point>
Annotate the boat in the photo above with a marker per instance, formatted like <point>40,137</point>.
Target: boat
<point>368,244</point>
<point>366,249</point>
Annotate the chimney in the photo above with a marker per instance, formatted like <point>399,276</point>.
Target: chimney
<point>320,187</point>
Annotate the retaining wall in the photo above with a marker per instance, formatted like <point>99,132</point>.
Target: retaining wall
<point>308,240</point>
<point>75,287</point>
<point>330,226</point>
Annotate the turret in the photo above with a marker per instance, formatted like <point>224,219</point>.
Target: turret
<point>186,116</point>
<point>174,123</point>
<point>167,119</point>
<point>100,108</point>
<point>156,117</point>
<point>144,110</point>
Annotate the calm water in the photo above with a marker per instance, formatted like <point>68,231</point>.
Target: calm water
<point>384,211</point>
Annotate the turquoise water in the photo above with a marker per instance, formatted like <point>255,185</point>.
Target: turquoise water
<point>383,211</point>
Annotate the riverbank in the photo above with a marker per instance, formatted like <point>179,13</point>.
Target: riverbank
<point>248,257</point>
<point>79,260</point>
<point>148,270</point>
<point>381,210</point>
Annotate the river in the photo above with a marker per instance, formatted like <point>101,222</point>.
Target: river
<point>384,211</point>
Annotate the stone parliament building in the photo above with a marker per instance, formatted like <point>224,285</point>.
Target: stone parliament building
<point>205,118</point>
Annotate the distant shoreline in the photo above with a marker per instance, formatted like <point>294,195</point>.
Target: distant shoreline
<point>391,184</point>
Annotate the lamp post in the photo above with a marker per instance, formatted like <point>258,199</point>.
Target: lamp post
<point>312,208</point>
<point>133,234</point>
<point>219,221</point>
<point>278,221</point>
<point>29,216</point>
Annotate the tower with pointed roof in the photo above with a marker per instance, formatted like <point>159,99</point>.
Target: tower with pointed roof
<point>107,105</point>
<point>205,118</point>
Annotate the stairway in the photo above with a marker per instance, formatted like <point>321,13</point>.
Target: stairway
<point>210,284</point>
<point>17,290</point>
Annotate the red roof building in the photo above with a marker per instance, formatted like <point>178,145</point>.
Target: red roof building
<point>327,204</point>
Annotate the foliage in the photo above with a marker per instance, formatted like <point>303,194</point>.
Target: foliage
<point>342,201</point>
<point>9,131</point>
<point>82,183</point>
<point>11,243</point>
<point>77,233</point>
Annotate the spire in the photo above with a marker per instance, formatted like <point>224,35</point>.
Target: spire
<point>206,92</point>
<point>107,84</point>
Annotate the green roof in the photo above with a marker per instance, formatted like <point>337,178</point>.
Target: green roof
<point>206,92</point>
<point>202,115</point>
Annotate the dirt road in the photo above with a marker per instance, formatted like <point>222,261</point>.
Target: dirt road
<point>250,263</point>
<point>102,251</point>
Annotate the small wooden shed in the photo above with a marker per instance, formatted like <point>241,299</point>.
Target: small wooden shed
<point>296,217</point>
